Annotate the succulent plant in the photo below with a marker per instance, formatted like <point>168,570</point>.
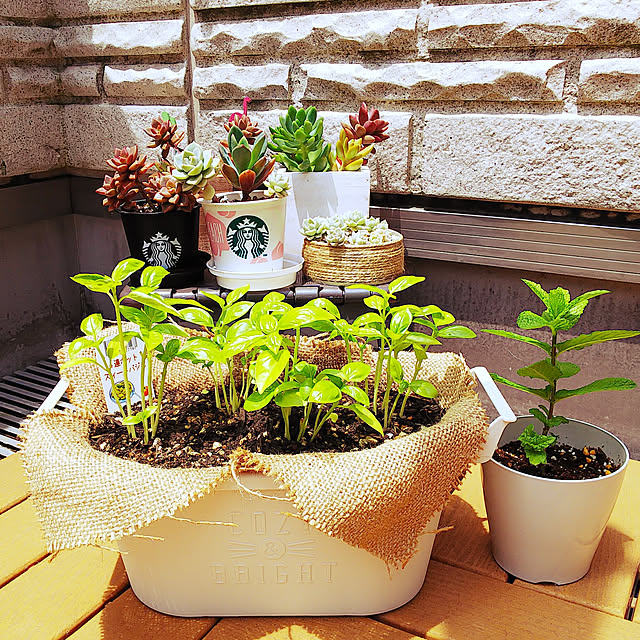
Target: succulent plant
<point>365,126</point>
<point>138,185</point>
<point>350,154</point>
<point>169,193</point>
<point>371,223</point>
<point>335,237</point>
<point>129,164</point>
<point>242,120</point>
<point>194,167</point>
<point>298,141</point>
<point>245,166</point>
<point>118,194</point>
<point>164,134</point>
<point>277,185</point>
<point>314,228</point>
<point>350,228</point>
<point>124,188</point>
<point>353,220</point>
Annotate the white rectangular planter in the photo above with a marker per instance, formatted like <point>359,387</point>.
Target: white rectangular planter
<point>269,563</point>
<point>324,194</point>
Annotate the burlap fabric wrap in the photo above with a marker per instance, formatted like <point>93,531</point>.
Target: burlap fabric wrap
<point>379,499</point>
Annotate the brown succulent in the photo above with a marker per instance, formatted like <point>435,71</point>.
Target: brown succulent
<point>368,127</point>
<point>119,192</point>
<point>128,163</point>
<point>241,120</point>
<point>166,191</point>
<point>164,134</point>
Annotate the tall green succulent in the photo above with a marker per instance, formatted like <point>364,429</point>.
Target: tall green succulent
<point>194,167</point>
<point>244,166</point>
<point>298,141</point>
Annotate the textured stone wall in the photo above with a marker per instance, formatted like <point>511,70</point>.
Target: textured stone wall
<point>528,101</point>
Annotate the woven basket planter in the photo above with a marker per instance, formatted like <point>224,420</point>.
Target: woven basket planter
<point>375,264</point>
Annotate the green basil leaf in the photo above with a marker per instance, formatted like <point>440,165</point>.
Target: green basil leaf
<point>125,268</point>
<point>95,282</point>
<point>367,417</point>
<point>404,282</point>
<point>92,324</point>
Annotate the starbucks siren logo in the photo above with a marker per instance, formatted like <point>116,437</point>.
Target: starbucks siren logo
<point>248,237</point>
<point>161,252</point>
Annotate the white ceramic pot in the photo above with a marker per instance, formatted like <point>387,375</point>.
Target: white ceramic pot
<point>326,194</point>
<point>269,564</point>
<point>548,530</point>
<point>246,237</point>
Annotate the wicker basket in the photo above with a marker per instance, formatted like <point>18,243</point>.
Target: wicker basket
<point>353,265</point>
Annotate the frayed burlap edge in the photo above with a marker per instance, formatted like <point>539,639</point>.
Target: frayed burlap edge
<point>379,499</point>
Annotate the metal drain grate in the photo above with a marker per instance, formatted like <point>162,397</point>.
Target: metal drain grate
<point>21,394</point>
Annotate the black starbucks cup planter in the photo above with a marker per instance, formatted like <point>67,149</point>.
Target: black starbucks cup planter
<point>168,240</point>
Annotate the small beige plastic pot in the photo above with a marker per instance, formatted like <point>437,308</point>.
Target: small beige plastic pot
<point>548,530</point>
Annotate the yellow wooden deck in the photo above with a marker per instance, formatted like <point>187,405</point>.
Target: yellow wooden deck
<point>84,594</point>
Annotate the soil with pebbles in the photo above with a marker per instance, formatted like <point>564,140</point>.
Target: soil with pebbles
<point>564,462</point>
<point>193,433</point>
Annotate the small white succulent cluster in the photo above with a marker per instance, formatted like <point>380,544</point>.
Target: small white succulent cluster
<point>351,228</point>
<point>277,185</point>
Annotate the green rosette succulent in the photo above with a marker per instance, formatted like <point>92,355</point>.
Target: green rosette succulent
<point>277,186</point>
<point>244,165</point>
<point>314,228</point>
<point>335,237</point>
<point>298,141</point>
<point>353,220</point>
<point>194,167</point>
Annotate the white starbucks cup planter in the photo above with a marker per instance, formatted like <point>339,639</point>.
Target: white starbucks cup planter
<point>237,551</point>
<point>246,237</point>
<point>545,530</point>
<point>326,194</point>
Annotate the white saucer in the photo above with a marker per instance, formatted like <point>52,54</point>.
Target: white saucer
<point>259,280</point>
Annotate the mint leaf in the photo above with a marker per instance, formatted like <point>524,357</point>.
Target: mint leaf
<point>535,445</point>
<point>530,320</point>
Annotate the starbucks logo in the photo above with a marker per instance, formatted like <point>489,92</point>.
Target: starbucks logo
<point>160,251</point>
<point>248,237</point>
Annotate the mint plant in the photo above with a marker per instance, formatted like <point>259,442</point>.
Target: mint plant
<point>150,327</point>
<point>561,314</point>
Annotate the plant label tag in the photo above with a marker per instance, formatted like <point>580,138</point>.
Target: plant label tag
<point>116,395</point>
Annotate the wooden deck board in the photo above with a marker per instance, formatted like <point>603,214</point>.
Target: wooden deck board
<point>609,582</point>
<point>457,604</point>
<point>83,593</point>
<point>341,628</point>
<point>126,618</point>
<point>13,487</point>
<point>467,545</point>
<point>58,594</point>
<point>21,543</point>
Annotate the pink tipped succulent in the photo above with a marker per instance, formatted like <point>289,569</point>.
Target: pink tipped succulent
<point>365,126</point>
<point>119,192</point>
<point>127,162</point>
<point>164,134</point>
<point>243,122</point>
<point>166,190</point>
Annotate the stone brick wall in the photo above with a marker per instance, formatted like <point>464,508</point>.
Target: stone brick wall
<point>533,101</point>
